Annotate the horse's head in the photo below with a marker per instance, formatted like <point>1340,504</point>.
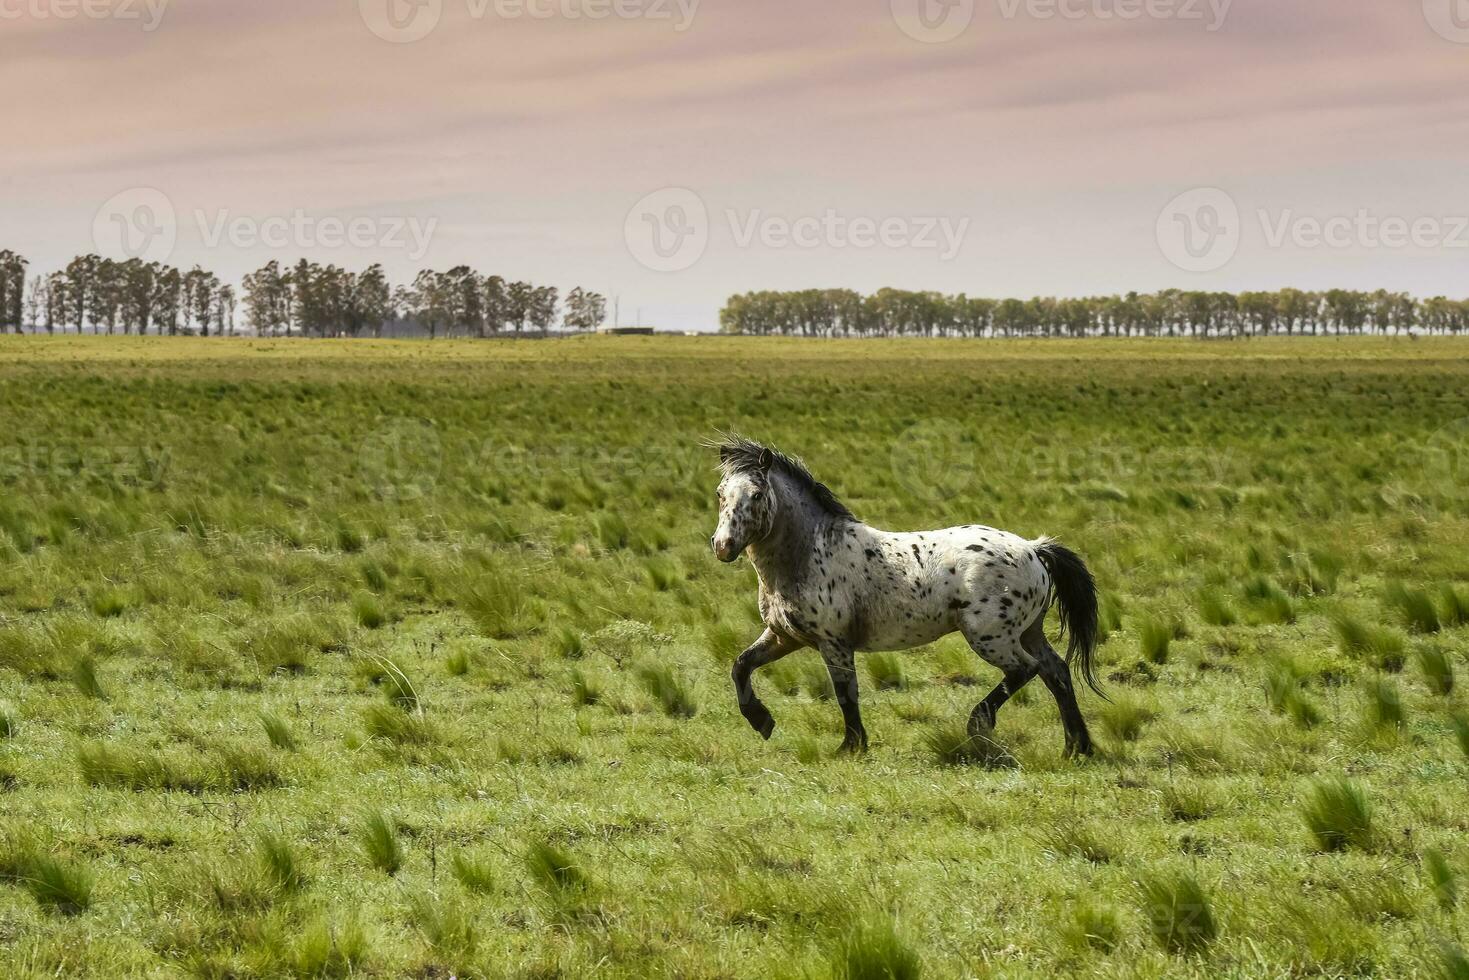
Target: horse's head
<point>746,507</point>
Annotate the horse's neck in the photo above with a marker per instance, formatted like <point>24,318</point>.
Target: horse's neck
<point>783,557</point>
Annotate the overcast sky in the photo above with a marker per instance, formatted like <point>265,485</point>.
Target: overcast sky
<point>995,148</point>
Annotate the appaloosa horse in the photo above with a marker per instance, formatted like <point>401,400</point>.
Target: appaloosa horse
<point>829,581</point>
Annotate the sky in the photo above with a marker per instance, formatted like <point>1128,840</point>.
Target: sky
<point>669,153</point>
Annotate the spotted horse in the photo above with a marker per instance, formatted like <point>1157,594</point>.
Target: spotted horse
<point>829,581</point>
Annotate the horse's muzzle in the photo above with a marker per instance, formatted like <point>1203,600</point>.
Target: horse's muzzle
<point>724,549</point>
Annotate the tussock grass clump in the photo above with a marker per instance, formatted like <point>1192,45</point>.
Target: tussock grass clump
<point>1415,607</point>
<point>1453,962</point>
<point>1460,723</point>
<point>951,745</point>
<point>1076,840</point>
<point>278,862</point>
<point>286,645</point>
<point>377,832</point>
<point>887,671</point>
<point>554,870</point>
<point>278,731</point>
<point>55,883</point>
<point>586,689</point>
<point>874,949</point>
<point>1095,927</point>
<point>1154,638</point>
<point>476,875</point>
<point>84,677</point>
<point>495,603</point>
<point>1442,878</point>
<point>446,925</point>
<point>109,604</point>
<point>1339,816</point>
<point>1285,690</point>
<point>1382,647</point>
<point>1453,606</point>
<point>388,723</point>
<point>1126,716</point>
<point>1186,802</point>
<point>327,950</point>
<point>1269,603</point>
<point>244,768</point>
<point>369,611</point>
<point>1216,609</point>
<point>457,662</point>
<point>1179,913</point>
<point>1438,670</point>
<point>571,644</point>
<point>1385,704</point>
<point>9,721</point>
<point>669,689</point>
<point>117,767</point>
<point>399,687</point>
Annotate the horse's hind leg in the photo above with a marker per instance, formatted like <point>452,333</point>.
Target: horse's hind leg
<point>767,650</point>
<point>983,718</point>
<point>1001,649</point>
<point>1057,675</point>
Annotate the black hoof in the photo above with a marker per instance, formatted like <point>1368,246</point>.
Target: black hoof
<point>1081,749</point>
<point>853,746</point>
<point>760,719</point>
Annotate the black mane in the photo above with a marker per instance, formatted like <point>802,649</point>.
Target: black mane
<point>740,455</point>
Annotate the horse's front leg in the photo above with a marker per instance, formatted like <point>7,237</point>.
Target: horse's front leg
<point>767,650</point>
<point>842,666</point>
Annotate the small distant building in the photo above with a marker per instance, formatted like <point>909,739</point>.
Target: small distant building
<point>626,331</point>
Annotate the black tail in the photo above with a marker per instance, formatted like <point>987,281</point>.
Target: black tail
<point>1076,593</point>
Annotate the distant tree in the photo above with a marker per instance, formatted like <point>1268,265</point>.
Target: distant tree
<point>585,310</point>
<point>223,312</point>
<point>543,305</point>
<point>373,300</point>
<point>496,304</point>
<point>81,289</point>
<point>167,299</point>
<point>519,297</point>
<point>12,290</point>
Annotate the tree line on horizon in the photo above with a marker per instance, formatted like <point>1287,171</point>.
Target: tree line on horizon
<point>1167,313</point>
<point>306,299</point>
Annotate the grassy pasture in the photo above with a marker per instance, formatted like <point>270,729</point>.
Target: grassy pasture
<point>386,659</point>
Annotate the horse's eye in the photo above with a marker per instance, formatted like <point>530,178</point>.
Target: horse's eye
<point>757,494</point>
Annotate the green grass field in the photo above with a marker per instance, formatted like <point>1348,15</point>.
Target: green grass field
<point>409,659</point>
